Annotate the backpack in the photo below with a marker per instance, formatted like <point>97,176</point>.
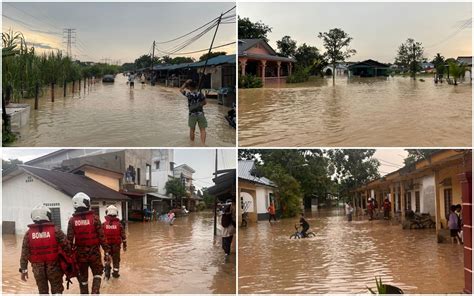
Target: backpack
<point>68,265</point>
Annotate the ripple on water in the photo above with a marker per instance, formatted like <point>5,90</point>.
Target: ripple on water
<point>345,258</point>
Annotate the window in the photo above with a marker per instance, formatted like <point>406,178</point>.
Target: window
<point>408,201</point>
<point>138,176</point>
<point>448,200</point>
<point>417,201</point>
<point>157,164</point>
<point>55,213</point>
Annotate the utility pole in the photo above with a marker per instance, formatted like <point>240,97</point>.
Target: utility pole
<point>69,38</point>
<point>152,81</point>
<point>215,200</point>
<point>208,54</point>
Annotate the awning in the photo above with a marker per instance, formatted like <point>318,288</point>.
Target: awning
<point>160,196</point>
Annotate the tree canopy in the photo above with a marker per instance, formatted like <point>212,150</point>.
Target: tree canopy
<point>286,47</point>
<point>336,42</point>
<point>176,188</point>
<point>410,55</point>
<point>250,30</point>
<point>212,55</point>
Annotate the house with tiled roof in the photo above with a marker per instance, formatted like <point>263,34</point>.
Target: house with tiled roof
<point>25,187</point>
<point>258,58</point>
<point>256,192</point>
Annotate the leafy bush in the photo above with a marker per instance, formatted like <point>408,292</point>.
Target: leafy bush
<point>300,75</point>
<point>250,81</point>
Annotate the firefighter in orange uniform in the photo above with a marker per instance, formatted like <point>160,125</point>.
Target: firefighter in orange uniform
<point>41,247</point>
<point>85,233</point>
<point>115,236</point>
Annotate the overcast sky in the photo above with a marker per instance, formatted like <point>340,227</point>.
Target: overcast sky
<point>119,31</point>
<point>377,28</point>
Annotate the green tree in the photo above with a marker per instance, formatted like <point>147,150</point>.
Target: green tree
<point>309,58</point>
<point>286,47</point>
<point>207,198</point>
<point>176,188</point>
<point>212,55</point>
<point>11,163</point>
<point>250,30</point>
<point>457,71</point>
<point>336,42</point>
<point>181,60</point>
<point>352,168</point>
<point>415,155</point>
<point>410,55</point>
<point>439,64</point>
<point>145,61</point>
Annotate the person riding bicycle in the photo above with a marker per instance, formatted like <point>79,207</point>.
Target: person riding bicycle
<point>304,224</point>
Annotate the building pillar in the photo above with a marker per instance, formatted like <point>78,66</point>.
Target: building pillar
<point>278,68</point>
<point>392,200</point>
<point>466,186</point>
<point>437,204</point>
<point>290,66</point>
<point>243,65</point>
<point>402,201</point>
<point>264,65</point>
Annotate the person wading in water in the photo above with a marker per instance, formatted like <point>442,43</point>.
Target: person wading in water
<point>196,101</point>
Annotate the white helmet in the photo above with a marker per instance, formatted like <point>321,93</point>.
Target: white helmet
<point>41,213</point>
<point>81,200</point>
<point>111,211</point>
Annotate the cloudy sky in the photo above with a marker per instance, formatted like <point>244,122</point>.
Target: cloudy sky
<point>377,28</point>
<point>201,160</point>
<point>118,31</point>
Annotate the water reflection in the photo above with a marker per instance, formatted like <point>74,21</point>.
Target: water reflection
<point>364,112</point>
<point>160,259</point>
<point>345,257</point>
<point>113,115</point>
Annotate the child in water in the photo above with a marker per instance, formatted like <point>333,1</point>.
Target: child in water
<point>171,217</point>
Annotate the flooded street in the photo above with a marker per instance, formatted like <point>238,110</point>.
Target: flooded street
<point>364,112</point>
<point>112,115</point>
<point>345,258</point>
<point>160,259</point>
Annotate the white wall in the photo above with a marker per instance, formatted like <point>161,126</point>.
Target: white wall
<point>248,199</point>
<point>160,176</point>
<point>19,197</point>
<point>263,199</point>
<point>427,196</point>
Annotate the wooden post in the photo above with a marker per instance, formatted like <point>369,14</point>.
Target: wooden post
<point>79,84</point>
<point>52,91</point>
<point>36,95</point>
<point>402,201</point>
<point>466,185</point>
<point>65,87</point>
<point>73,85</point>
<point>84,84</point>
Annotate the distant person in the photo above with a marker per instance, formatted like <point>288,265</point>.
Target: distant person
<point>387,207</point>
<point>41,246</point>
<point>131,80</point>
<point>460,222</point>
<point>349,209</point>
<point>196,101</point>
<point>228,225</point>
<point>453,225</point>
<point>370,209</point>
<point>171,217</point>
<point>271,212</point>
<point>304,225</point>
<point>115,236</point>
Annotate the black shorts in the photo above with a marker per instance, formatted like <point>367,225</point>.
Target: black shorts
<point>132,83</point>
<point>454,232</point>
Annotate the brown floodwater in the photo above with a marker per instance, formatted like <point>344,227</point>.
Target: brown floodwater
<point>111,115</point>
<point>345,257</point>
<point>182,258</point>
<point>361,112</point>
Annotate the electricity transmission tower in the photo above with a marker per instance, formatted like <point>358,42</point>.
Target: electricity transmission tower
<point>69,38</point>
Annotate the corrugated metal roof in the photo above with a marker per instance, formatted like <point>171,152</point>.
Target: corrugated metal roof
<point>246,167</point>
<point>465,60</point>
<point>70,184</point>
<point>369,63</point>
<point>215,61</point>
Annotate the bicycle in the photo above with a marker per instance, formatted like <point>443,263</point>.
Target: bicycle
<point>298,234</point>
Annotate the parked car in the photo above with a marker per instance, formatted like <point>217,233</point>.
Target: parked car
<point>108,78</point>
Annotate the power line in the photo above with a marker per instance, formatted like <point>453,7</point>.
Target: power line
<point>49,24</point>
<point>30,27</point>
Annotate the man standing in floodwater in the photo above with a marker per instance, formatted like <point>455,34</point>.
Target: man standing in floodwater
<point>196,101</point>
<point>41,246</point>
<point>387,207</point>
<point>85,232</point>
<point>131,80</point>
<point>115,236</point>
<point>349,211</point>
<point>271,212</point>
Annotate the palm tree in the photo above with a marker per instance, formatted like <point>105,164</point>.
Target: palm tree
<point>457,71</point>
<point>439,64</point>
